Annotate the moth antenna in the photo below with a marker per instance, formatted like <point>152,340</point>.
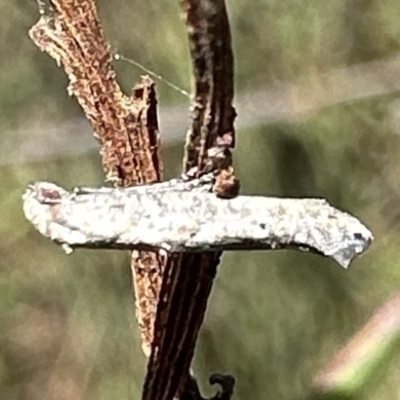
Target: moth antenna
<point>120,57</point>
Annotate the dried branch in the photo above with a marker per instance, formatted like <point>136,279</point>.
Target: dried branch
<point>212,111</point>
<point>188,278</point>
<point>126,127</point>
<point>74,38</point>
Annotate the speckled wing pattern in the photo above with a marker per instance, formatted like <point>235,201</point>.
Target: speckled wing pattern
<point>180,220</point>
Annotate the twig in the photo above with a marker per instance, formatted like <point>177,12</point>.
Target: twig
<point>188,278</point>
<point>125,127</point>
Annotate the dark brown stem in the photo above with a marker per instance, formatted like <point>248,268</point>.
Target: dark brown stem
<point>188,278</point>
<point>212,111</point>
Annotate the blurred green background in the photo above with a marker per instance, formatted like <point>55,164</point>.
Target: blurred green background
<point>319,115</point>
